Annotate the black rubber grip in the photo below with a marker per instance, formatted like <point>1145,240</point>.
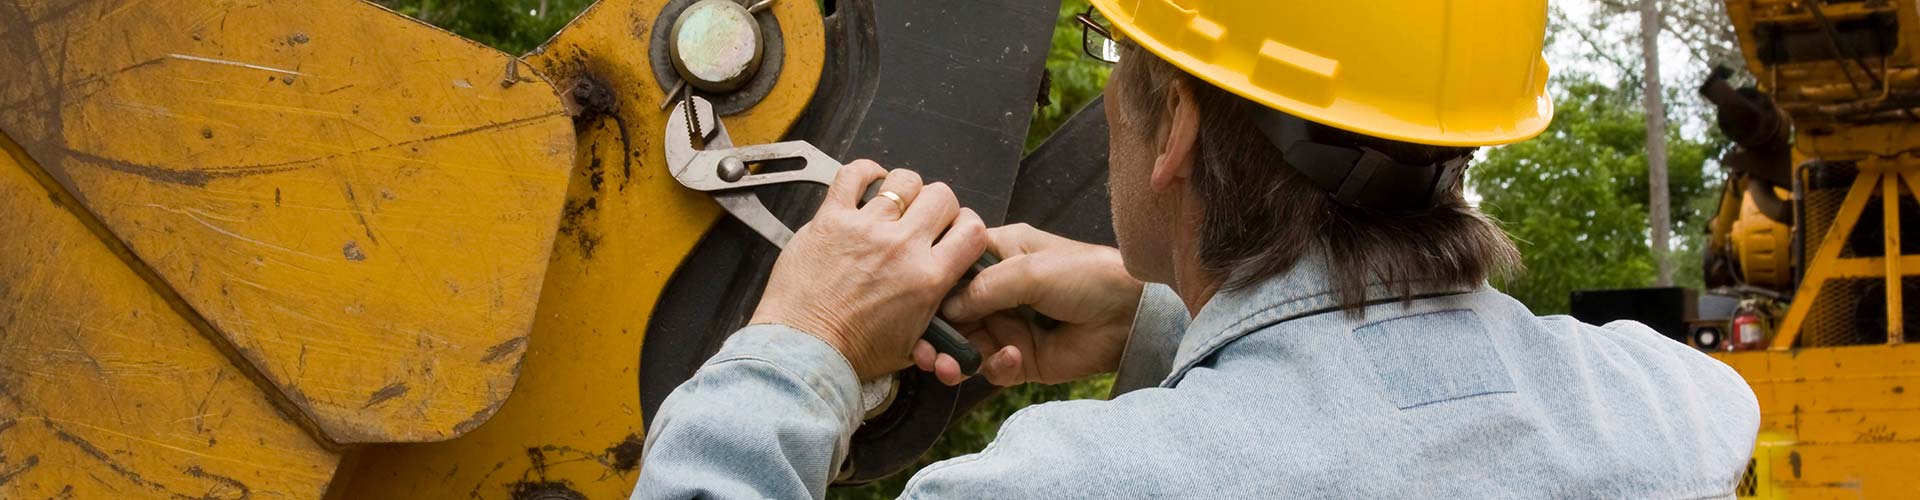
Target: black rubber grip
<point>947,340</point>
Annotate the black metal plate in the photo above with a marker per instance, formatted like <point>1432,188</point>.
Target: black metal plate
<point>949,94</point>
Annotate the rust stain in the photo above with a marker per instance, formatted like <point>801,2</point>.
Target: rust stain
<point>352,252</point>
<point>223,481</point>
<point>475,493</point>
<point>391,391</point>
<point>25,465</point>
<point>479,417</point>
<point>101,456</point>
<point>501,350</point>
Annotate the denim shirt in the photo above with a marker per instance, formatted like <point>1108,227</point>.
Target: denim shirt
<point>1271,394</point>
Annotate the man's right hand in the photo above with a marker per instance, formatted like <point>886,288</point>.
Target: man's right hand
<point>1083,286</point>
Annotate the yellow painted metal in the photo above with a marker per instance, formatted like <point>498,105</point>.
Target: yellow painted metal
<point>1764,246</point>
<point>1827,263</point>
<point>1820,268</point>
<point>574,420</point>
<point>1762,479</point>
<point>1890,215</point>
<point>358,205</point>
<point>1839,422</point>
<point>106,390</point>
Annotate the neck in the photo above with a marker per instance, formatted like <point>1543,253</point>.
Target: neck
<point>1194,290</point>
<point>1192,283</point>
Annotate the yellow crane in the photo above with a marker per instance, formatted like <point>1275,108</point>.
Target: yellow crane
<point>1812,233</point>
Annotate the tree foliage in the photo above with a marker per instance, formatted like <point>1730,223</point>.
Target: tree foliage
<point>1575,198</point>
<point>513,26</point>
<point>1073,78</point>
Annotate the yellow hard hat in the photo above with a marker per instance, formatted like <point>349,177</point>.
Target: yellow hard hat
<point>1438,72</point>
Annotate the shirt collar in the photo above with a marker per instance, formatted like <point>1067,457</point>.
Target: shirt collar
<point>1307,289</point>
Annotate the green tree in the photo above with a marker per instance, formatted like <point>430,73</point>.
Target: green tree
<point>513,26</point>
<point>1575,198</point>
<point>1073,77</point>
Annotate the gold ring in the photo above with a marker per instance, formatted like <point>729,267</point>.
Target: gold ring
<point>895,198</point>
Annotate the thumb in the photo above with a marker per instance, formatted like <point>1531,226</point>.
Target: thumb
<point>1006,285</point>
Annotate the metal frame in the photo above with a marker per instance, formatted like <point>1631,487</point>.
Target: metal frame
<point>1827,265</point>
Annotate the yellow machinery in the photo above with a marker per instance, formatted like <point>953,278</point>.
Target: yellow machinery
<point>314,249</point>
<point>1834,121</point>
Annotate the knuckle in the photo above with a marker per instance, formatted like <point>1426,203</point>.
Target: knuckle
<point>972,225</point>
<point>865,167</point>
<point>904,175</point>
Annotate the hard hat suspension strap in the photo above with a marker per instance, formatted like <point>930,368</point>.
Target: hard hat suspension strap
<point>1358,176</point>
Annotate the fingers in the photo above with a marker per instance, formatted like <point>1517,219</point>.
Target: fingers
<point>932,211</point>
<point>961,246</point>
<point>998,288</point>
<point>850,183</point>
<point>1009,240</point>
<point>1002,368</point>
<point>1017,239</point>
<point>924,356</point>
<point>901,182</point>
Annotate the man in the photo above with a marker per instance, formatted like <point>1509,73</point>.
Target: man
<point>1290,172</point>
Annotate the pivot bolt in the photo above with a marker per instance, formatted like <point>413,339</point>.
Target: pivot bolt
<point>715,45</point>
<point>732,169</point>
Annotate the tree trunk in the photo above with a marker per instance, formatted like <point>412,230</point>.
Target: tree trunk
<point>1657,203</point>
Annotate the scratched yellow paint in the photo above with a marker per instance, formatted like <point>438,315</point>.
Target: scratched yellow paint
<point>360,204</point>
<point>1838,422</point>
<point>107,392</point>
<point>574,420</point>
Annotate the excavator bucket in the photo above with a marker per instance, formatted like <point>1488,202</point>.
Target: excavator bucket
<point>308,248</point>
<point>243,236</point>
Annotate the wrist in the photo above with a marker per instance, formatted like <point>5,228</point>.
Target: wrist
<point>832,337</point>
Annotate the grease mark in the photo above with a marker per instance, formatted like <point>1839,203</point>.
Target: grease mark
<point>199,177</point>
<point>25,465</point>
<point>391,391</point>
<point>222,481</point>
<point>501,350</point>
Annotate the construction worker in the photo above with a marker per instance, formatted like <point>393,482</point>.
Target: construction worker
<point>1286,181</point>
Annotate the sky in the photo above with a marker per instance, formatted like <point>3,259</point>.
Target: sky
<point>1678,67</point>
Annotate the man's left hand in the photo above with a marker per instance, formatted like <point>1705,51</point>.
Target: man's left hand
<point>867,279</point>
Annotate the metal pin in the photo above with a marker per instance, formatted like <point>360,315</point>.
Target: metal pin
<point>732,169</point>
<point>672,94</point>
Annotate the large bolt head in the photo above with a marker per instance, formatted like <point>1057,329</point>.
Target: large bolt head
<point>715,45</point>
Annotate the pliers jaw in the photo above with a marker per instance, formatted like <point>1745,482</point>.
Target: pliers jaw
<point>701,156</point>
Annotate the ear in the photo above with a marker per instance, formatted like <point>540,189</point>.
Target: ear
<point>1174,164</point>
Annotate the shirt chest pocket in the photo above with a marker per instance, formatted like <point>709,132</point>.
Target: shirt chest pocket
<point>1434,357</point>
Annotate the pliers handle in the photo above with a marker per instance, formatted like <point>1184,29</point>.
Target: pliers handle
<point>720,169</point>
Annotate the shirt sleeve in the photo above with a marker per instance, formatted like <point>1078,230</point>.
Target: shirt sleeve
<point>769,416</point>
